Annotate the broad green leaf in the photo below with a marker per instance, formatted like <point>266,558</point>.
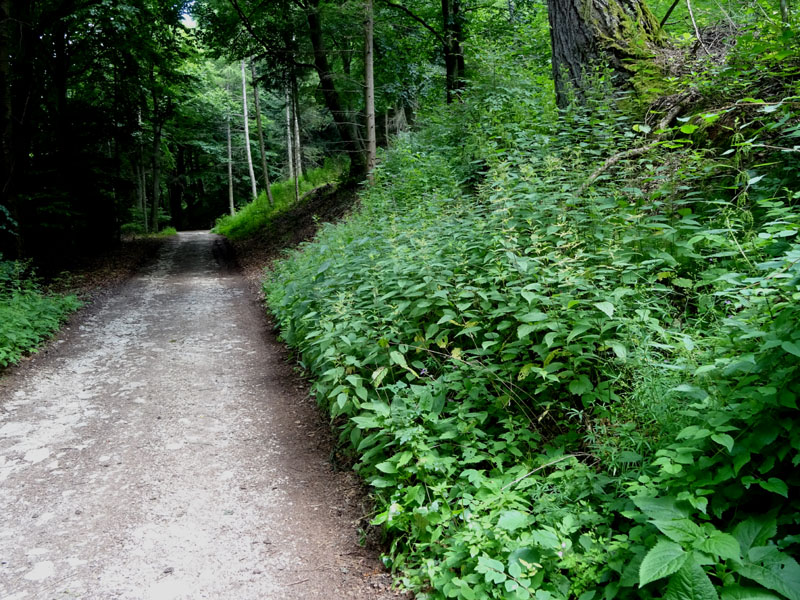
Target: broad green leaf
<point>493,570</point>
<point>581,385</point>
<point>721,544</point>
<point>659,508</point>
<point>525,330</point>
<point>775,485</point>
<point>398,359</point>
<point>738,592</point>
<point>545,538</point>
<point>365,422</point>
<point>723,439</point>
<point>533,317</point>
<point>688,128</point>
<point>690,583</point>
<point>605,307</point>
<point>791,348</point>
<point>378,375</point>
<point>619,349</point>
<point>679,530</point>
<point>773,569</point>
<point>387,467</point>
<point>663,559</point>
<point>511,520</point>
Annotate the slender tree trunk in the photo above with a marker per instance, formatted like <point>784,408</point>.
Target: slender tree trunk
<point>298,149</point>
<point>586,32</point>
<point>289,135</point>
<point>291,144</point>
<point>369,86</point>
<point>231,206</point>
<point>247,135</point>
<point>143,188</point>
<point>784,13</point>
<point>156,176</point>
<point>330,94</point>
<point>261,146</point>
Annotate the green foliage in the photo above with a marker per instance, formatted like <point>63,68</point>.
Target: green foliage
<point>563,395</point>
<point>254,218</point>
<point>28,316</point>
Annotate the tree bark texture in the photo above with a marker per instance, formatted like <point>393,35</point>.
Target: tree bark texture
<point>248,153</point>
<point>331,95</point>
<point>589,32</point>
<point>298,149</point>
<point>369,87</point>
<point>452,27</point>
<point>261,146</point>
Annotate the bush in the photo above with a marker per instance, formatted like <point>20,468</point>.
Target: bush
<point>28,316</point>
<point>562,391</point>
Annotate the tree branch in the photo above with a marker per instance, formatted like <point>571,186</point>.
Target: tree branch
<point>416,18</point>
<point>249,26</point>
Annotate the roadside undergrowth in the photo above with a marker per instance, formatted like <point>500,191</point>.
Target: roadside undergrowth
<point>257,216</point>
<point>28,314</point>
<point>562,395</point>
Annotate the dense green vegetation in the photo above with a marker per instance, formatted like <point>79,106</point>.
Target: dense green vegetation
<point>257,215</point>
<point>570,382</point>
<point>558,338</point>
<point>28,315</point>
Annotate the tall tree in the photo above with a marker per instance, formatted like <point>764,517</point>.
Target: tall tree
<point>369,88</point>
<point>450,36</point>
<point>260,127</point>
<point>248,153</point>
<point>585,33</point>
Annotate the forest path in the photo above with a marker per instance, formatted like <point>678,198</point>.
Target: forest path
<point>164,449</point>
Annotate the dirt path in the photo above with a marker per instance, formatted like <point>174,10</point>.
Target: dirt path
<point>163,449</point>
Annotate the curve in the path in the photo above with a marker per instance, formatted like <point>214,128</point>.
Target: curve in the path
<point>163,450</point>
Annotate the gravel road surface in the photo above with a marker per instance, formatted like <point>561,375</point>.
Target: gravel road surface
<point>163,448</point>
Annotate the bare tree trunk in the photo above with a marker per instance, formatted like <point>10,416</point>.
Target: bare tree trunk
<point>231,206</point>
<point>585,32</point>
<point>289,135</point>
<point>293,132</point>
<point>156,176</point>
<point>261,146</point>
<point>298,149</point>
<point>247,135</point>
<point>784,13</point>
<point>369,85</point>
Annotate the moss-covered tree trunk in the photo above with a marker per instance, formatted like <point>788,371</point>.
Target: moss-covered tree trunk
<point>588,32</point>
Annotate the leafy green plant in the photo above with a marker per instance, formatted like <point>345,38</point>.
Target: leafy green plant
<point>557,394</point>
<point>28,316</point>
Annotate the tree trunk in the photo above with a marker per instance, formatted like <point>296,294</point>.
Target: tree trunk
<point>156,176</point>
<point>298,149</point>
<point>453,53</point>
<point>247,136</point>
<point>231,206</point>
<point>588,32</point>
<point>369,86</point>
<point>331,96</point>
<point>289,135</point>
<point>261,146</point>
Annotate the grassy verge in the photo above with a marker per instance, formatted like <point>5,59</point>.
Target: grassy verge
<point>28,315</point>
<point>256,216</point>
